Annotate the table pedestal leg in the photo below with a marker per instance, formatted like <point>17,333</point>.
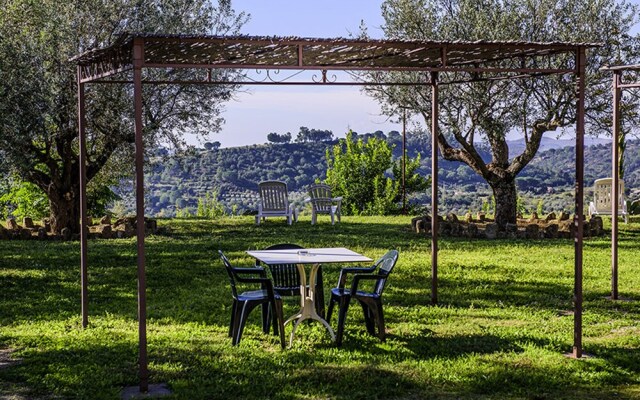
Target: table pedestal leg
<point>307,303</point>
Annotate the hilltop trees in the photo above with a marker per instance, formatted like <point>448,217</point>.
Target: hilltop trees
<point>274,137</point>
<point>313,135</point>
<point>485,112</point>
<point>38,117</point>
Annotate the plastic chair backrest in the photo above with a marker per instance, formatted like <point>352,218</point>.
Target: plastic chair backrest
<point>229,268</point>
<point>285,276</point>
<point>602,194</point>
<point>320,195</point>
<point>274,196</point>
<point>385,265</point>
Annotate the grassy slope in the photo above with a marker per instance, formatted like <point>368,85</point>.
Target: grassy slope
<point>500,330</point>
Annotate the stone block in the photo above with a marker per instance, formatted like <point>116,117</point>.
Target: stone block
<point>532,231</point>
<point>12,224</point>
<point>491,231</point>
<point>472,230</point>
<point>510,228</point>
<point>66,234</point>
<point>444,228</point>
<point>551,231</point>
<point>596,225</point>
<point>27,222</point>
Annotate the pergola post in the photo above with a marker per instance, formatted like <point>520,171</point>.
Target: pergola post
<point>615,182</point>
<point>404,161</point>
<point>579,204</point>
<point>82,140</point>
<point>138,60</point>
<point>434,187</point>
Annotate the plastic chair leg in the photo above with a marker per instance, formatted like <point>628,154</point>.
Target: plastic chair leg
<point>380,320</point>
<point>332,303</point>
<point>278,324</point>
<point>342,316</point>
<point>233,319</point>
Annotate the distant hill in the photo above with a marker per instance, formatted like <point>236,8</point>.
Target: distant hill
<point>547,143</point>
<point>177,182</point>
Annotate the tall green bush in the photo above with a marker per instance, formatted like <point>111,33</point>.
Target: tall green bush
<point>358,170</point>
<point>23,199</point>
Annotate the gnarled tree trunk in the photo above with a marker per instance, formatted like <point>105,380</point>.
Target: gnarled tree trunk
<point>506,195</point>
<point>65,209</point>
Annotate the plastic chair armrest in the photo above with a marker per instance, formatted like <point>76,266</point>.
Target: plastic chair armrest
<point>359,277</point>
<point>255,270</point>
<point>352,270</point>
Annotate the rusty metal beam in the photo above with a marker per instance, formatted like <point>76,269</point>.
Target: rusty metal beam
<point>579,205</point>
<point>615,181</point>
<point>138,57</point>
<point>350,67</point>
<point>434,186</point>
<point>82,141</point>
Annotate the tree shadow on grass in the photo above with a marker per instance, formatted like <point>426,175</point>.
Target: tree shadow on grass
<point>506,291</point>
<point>201,368</point>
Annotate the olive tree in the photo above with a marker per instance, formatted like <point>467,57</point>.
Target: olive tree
<point>484,112</point>
<point>38,91</point>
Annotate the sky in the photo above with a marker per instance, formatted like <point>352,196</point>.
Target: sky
<point>258,110</point>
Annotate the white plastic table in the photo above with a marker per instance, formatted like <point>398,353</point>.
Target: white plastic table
<point>301,257</point>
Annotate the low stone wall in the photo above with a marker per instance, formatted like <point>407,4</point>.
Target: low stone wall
<point>552,226</point>
<point>104,229</point>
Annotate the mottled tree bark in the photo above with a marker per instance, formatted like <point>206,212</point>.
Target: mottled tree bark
<point>506,195</point>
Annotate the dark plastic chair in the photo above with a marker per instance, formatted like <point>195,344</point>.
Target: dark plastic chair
<point>371,302</point>
<point>244,302</point>
<point>286,278</point>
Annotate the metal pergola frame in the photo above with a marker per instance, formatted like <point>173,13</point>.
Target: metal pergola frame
<point>133,53</point>
<point>617,87</point>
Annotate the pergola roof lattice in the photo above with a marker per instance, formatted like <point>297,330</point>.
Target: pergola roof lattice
<point>251,52</point>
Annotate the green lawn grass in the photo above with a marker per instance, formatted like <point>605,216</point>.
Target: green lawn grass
<point>500,330</point>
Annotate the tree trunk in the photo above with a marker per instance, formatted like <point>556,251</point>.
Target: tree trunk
<point>64,209</point>
<point>506,196</point>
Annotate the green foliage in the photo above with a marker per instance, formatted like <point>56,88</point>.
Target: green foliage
<point>485,206</point>
<point>540,207</point>
<point>491,109</point>
<point>356,171</point>
<point>99,199</point>
<point>23,199</point>
<point>210,207</point>
<point>414,181</point>
<point>38,90</point>
<point>521,207</point>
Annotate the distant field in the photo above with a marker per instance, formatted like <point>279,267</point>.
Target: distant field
<point>499,332</point>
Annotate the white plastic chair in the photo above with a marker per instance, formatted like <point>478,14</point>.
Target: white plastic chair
<point>322,203</point>
<point>601,204</point>
<point>274,202</point>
